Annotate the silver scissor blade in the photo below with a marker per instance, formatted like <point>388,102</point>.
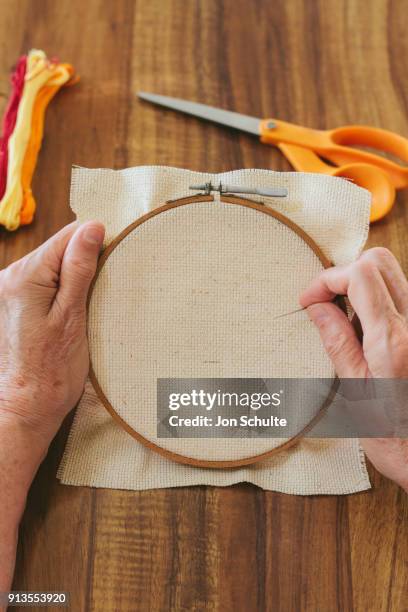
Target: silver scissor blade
<point>210,113</point>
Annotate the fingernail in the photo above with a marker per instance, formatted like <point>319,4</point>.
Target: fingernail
<point>317,313</point>
<point>94,235</point>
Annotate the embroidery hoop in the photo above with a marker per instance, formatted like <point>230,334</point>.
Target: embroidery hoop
<point>154,446</point>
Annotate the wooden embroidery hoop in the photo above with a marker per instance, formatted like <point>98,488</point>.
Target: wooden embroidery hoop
<point>179,458</point>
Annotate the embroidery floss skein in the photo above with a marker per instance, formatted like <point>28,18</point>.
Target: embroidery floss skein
<point>64,74</point>
<point>10,116</point>
<point>42,79</point>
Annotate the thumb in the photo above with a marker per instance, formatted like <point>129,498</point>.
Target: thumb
<point>339,340</point>
<point>79,266</point>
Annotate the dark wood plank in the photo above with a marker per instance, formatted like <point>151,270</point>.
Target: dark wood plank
<point>242,548</point>
<point>85,125</point>
<point>378,532</point>
<point>321,63</point>
<point>158,549</point>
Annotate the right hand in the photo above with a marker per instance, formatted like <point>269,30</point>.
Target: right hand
<point>378,292</point>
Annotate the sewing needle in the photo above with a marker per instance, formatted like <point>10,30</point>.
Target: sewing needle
<point>286,314</point>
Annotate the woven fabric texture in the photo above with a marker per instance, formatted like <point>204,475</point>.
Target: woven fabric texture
<point>264,259</point>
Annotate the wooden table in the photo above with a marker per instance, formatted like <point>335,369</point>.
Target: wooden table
<point>321,63</point>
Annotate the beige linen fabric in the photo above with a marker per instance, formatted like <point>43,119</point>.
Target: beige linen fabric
<point>194,293</point>
<point>333,211</point>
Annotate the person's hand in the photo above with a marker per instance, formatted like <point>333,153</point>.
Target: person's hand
<point>43,347</point>
<point>378,292</point>
<point>43,362</point>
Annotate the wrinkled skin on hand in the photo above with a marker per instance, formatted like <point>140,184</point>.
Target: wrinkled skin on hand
<point>43,348</point>
<point>378,291</point>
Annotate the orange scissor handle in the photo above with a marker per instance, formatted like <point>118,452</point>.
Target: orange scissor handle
<point>338,145</point>
<point>365,175</point>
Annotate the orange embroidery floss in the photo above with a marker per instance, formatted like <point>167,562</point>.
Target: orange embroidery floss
<point>44,97</point>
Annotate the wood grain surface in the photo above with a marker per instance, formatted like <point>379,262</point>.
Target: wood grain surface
<point>322,63</point>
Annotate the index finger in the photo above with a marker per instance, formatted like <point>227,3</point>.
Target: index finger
<point>364,286</point>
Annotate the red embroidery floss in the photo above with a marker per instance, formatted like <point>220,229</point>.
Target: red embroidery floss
<point>10,116</point>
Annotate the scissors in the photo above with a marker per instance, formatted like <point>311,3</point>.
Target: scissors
<point>305,147</point>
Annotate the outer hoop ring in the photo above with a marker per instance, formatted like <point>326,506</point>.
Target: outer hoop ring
<point>151,445</point>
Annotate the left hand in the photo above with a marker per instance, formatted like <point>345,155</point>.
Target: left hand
<point>43,347</point>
